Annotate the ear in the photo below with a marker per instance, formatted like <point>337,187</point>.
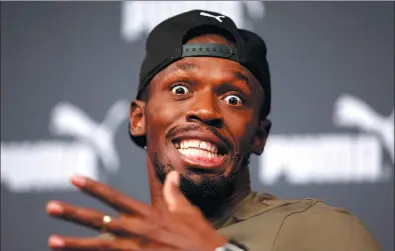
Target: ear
<point>137,118</point>
<point>261,134</point>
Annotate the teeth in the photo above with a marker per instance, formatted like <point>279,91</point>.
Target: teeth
<point>213,149</point>
<point>198,153</point>
<point>194,143</point>
<point>207,146</point>
<point>204,145</point>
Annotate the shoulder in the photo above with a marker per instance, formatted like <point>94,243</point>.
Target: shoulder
<point>300,225</point>
<point>259,223</point>
<point>318,226</point>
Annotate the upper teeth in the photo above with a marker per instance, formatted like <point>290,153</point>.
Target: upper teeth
<point>185,144</point>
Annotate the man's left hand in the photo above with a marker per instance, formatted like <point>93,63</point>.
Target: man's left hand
<point>180,226</point>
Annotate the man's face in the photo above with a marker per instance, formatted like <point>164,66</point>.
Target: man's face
<point>202,119</point>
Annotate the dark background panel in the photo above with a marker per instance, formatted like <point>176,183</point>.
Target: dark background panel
<point>74,52</point>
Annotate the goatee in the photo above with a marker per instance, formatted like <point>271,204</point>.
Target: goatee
<point>208,193</point>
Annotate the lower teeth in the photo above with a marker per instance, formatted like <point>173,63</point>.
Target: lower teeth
<point>198,153</point>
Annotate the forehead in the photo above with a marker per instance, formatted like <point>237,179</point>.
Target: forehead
<point>206,67</point>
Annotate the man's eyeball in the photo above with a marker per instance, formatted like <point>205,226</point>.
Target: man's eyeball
<point>233,100</point>
<point>180,90</point>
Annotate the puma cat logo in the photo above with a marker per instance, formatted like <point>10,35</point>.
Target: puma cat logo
<point>209,15</point>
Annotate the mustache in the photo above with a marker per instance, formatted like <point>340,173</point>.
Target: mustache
<point>196,127</point>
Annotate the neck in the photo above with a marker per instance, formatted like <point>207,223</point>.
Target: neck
<point>241,189</point>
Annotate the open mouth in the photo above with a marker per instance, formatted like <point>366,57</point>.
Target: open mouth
<point>201,152</point>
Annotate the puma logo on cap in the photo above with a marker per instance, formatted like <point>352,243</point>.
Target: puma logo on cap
<point>209,15</point>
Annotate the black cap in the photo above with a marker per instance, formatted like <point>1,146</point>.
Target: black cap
<point>166,44</point>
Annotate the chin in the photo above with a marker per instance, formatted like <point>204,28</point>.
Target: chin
<point>198,182</point>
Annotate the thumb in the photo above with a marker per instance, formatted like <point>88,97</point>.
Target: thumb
<point>174,198</point>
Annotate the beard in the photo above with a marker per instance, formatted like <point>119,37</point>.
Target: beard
<point>208,193</point>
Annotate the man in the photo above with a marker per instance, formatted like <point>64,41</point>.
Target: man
<point>201,111</point>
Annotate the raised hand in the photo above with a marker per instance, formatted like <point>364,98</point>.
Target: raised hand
<point>181,226</point>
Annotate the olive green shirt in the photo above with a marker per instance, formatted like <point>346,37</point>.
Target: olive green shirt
<point>265,223</point>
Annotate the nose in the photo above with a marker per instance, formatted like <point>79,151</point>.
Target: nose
<point>205,109</point>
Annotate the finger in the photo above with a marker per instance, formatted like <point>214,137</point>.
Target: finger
<point>174,198</point>
<point>84,216</point>
<point>130,226</point>
<point>94,244</point>
<point>147,228</point>
<point>73,243</point>
<point>110,196</point>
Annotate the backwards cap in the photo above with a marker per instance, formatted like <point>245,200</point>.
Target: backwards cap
<point>166,45</point>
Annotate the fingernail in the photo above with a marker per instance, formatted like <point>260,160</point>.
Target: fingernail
<point>55,241</point>
<point>78,180</point>
<point>54,207</point>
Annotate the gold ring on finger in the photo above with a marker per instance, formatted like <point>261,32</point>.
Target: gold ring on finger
<point>106,220</point>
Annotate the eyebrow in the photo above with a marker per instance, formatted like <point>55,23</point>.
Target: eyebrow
<point>241,77</point>
<point>192,67</point>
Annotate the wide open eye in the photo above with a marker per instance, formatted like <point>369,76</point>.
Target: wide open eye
<point>180,90</point>
<point>233,100</point>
